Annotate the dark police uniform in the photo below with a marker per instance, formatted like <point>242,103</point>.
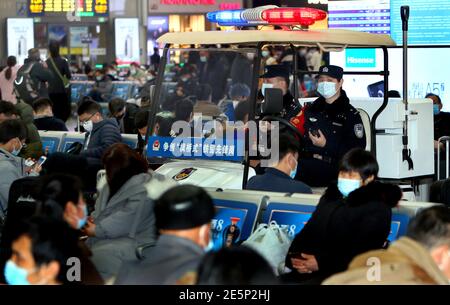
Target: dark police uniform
<point>343,129</point>
<point>441,125</point>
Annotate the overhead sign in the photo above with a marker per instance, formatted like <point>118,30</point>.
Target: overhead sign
<point>80,8</point>
<point>20,37</point>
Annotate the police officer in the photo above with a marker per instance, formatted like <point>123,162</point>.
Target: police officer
<point>183,217</point>
<point>330,127</point>
<point>277,76</point>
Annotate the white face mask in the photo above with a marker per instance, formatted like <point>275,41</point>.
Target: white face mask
<point>327,89</point>
<point>264,87</point>
<point>88,126</point>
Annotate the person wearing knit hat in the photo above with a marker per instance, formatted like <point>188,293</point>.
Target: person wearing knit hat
<point>183,217</point>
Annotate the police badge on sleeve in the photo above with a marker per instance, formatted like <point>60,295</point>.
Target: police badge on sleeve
<point>359,131</point>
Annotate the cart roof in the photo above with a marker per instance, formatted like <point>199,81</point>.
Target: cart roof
<point>327,38</point>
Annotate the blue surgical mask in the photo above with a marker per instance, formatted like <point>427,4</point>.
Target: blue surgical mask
<point>346,186</point>
<point>15,275</point>
<point>327,89</point>
<point>265,53</point>
<point>294,171</point>
<point>16,152</point>
<point>436,109</point>
<point>82,222</point>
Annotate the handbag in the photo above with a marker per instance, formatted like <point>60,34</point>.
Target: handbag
<point>65,80</point>
<point>272,242</point>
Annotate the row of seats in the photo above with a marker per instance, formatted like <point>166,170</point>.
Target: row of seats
<point>250,208</point>
<point>125,90</point>
<point>57,141</point>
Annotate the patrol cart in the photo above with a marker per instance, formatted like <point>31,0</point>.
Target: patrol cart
<point>226,57</point>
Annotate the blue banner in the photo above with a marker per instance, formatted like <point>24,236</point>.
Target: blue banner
<point>196,148</point>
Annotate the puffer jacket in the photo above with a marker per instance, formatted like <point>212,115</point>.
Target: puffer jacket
<point>406,262</point>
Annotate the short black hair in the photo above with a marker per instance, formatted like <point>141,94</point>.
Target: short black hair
<point>360,161</point>
<point>236,265</point>
<point>51,240</point>
<point>42,103</point>
<point>90,107</point>
<point>183,110</point>
<point>8,109</point>
<point>203,92</point>
<point>165,124</point>
<point>11,129</point>
<point>431,227</point>
<point>141,119</point>
<point>287,144</point>
<point>434,95</point>
<point>116,105</point>
<point>57,191</point>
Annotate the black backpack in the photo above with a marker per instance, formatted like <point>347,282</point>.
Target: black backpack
<point>26,89</point>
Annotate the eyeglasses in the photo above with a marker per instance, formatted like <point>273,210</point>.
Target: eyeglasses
<point>87,120</point>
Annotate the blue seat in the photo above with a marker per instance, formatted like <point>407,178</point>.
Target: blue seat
<point>130,140</point>
<point>77,91</point>
<point>292,216</point>
<point>241,207</point>
<point>122,90</point>
<point>51,141</point>
<point>71,138</point>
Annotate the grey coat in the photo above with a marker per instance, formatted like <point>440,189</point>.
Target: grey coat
<point>11,169</point>
<point>169,262</point>
<point>122,223</point>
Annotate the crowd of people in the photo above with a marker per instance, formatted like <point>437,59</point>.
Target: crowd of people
<point>135,226</point>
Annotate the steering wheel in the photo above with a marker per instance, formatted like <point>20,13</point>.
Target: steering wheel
<point>285,123</point>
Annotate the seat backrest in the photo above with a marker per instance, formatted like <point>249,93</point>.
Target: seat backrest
<point>122,90</point>
<point>70,138</point>
<point>367,128</point>
<point>241,208</point>
<point>290,212</point>
<point>130,139</point>
<point>51,141</point>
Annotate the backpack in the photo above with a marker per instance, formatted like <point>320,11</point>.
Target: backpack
<point>24,86</point>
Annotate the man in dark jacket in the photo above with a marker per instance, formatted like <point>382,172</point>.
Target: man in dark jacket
<point>101,133</point>
<point>57,91</point>
<point>39,73</point>
<point>43,116</point>
<point>183,217</point>
<point>330,127</point>
<point>352,217</point>
<point>280,177</point>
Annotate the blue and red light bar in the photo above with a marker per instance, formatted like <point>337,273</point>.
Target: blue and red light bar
<point>267,15</point>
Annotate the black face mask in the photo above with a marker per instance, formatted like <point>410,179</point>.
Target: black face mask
<point>120,117</point>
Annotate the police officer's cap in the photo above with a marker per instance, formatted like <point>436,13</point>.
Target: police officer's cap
<point>276,71</point>
<point>332,71</point>
<point>184,207</point>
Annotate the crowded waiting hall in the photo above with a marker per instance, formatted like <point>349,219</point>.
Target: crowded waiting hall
<point>225,142</point>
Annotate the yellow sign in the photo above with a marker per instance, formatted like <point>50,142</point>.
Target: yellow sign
<point>82,8</point>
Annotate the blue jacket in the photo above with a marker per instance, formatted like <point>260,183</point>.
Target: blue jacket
<point>103,135</point>
<point>274,180</point>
